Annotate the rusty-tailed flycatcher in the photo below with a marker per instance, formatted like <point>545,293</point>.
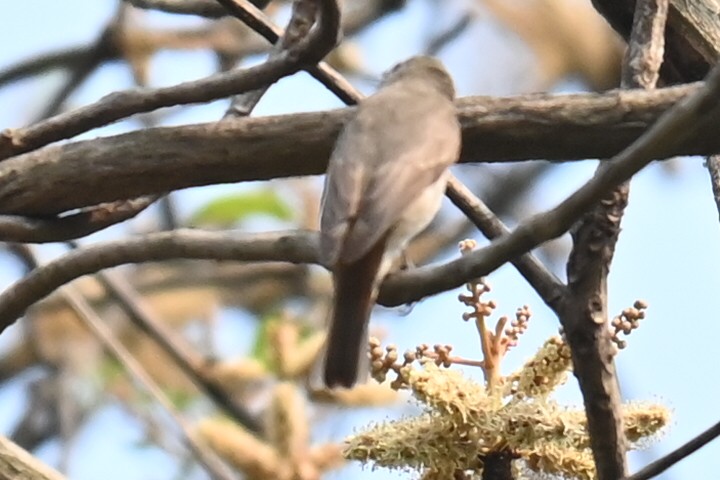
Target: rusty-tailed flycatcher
<point>385,182</point>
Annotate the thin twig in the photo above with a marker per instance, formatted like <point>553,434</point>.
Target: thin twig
<point>439,42</point>
<point>545,283</point>
<point>324,73</point>
<point>19,229</point>
<point>122,104</point>
<point>298,27</point>
<point>194,365</point>
<point>119,105</point>
<point>169,219</point>
<point>660,465</point>
<point>66,58</point>
<point>253,17</point>
<point>583,310</point>
<point>713,165</point>
<point>105,48</point>
<point>215,467</point>
<point>202,8</point>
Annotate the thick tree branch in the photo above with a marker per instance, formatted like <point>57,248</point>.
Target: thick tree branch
<point>692,37</point>
<point>669,132</point>
<point>159,160</point>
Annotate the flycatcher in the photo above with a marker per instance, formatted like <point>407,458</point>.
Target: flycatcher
<point>385,182</point>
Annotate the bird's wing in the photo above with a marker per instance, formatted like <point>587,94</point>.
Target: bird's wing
<point>381,163</point>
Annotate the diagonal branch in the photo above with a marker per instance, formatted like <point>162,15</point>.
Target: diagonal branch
<point>189,362</point>
<point>104,49</point>
<point>15,462</point>
<point>67,58</point>
<point>324,73</point>
<point>202,8</point>
<point>545,283</point>
<point>301,21</point>
<point>670,131</point>
<point>692,35</point>
<point>214,466</point>
<point>683,451</point>
<point>713,166</point>
<point>123,104</point>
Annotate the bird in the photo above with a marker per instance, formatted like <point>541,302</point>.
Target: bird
<point>384,184</point>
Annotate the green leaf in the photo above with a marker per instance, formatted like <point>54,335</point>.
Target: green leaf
<point>231,209</point>
<point>261,348</point>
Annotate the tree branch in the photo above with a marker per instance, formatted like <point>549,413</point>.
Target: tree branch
<point>298,27</point>
<point>294,247</point>
<point>20,229</point>
<point>583,312</point>
<point>202,8</point>
<point>683,451</point>
<point>159,160</point>
<point>123,104</point>
<point>17,463</point>
<point>713,166</point>
<point>547,285</point>
<point>192,364</point>
<point>670,131</point>
<point>217,469</point>
<point>692,37</point>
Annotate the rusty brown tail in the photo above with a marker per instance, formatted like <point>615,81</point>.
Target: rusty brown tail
<point>355,294</point>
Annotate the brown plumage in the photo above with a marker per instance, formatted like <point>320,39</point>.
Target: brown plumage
<point>385,181</point>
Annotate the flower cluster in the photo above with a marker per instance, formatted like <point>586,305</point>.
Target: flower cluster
<point>464,423</point>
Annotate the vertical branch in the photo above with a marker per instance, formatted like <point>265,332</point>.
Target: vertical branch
<point>583,312</point>
<point>322,72</point>
<point>301,21</point>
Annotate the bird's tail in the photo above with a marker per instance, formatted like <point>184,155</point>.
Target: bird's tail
<point>355,286</point>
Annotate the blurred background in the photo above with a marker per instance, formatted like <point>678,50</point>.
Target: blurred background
<point>72,406</point>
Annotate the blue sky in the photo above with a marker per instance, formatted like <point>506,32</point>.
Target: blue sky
<point>668,251</point>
